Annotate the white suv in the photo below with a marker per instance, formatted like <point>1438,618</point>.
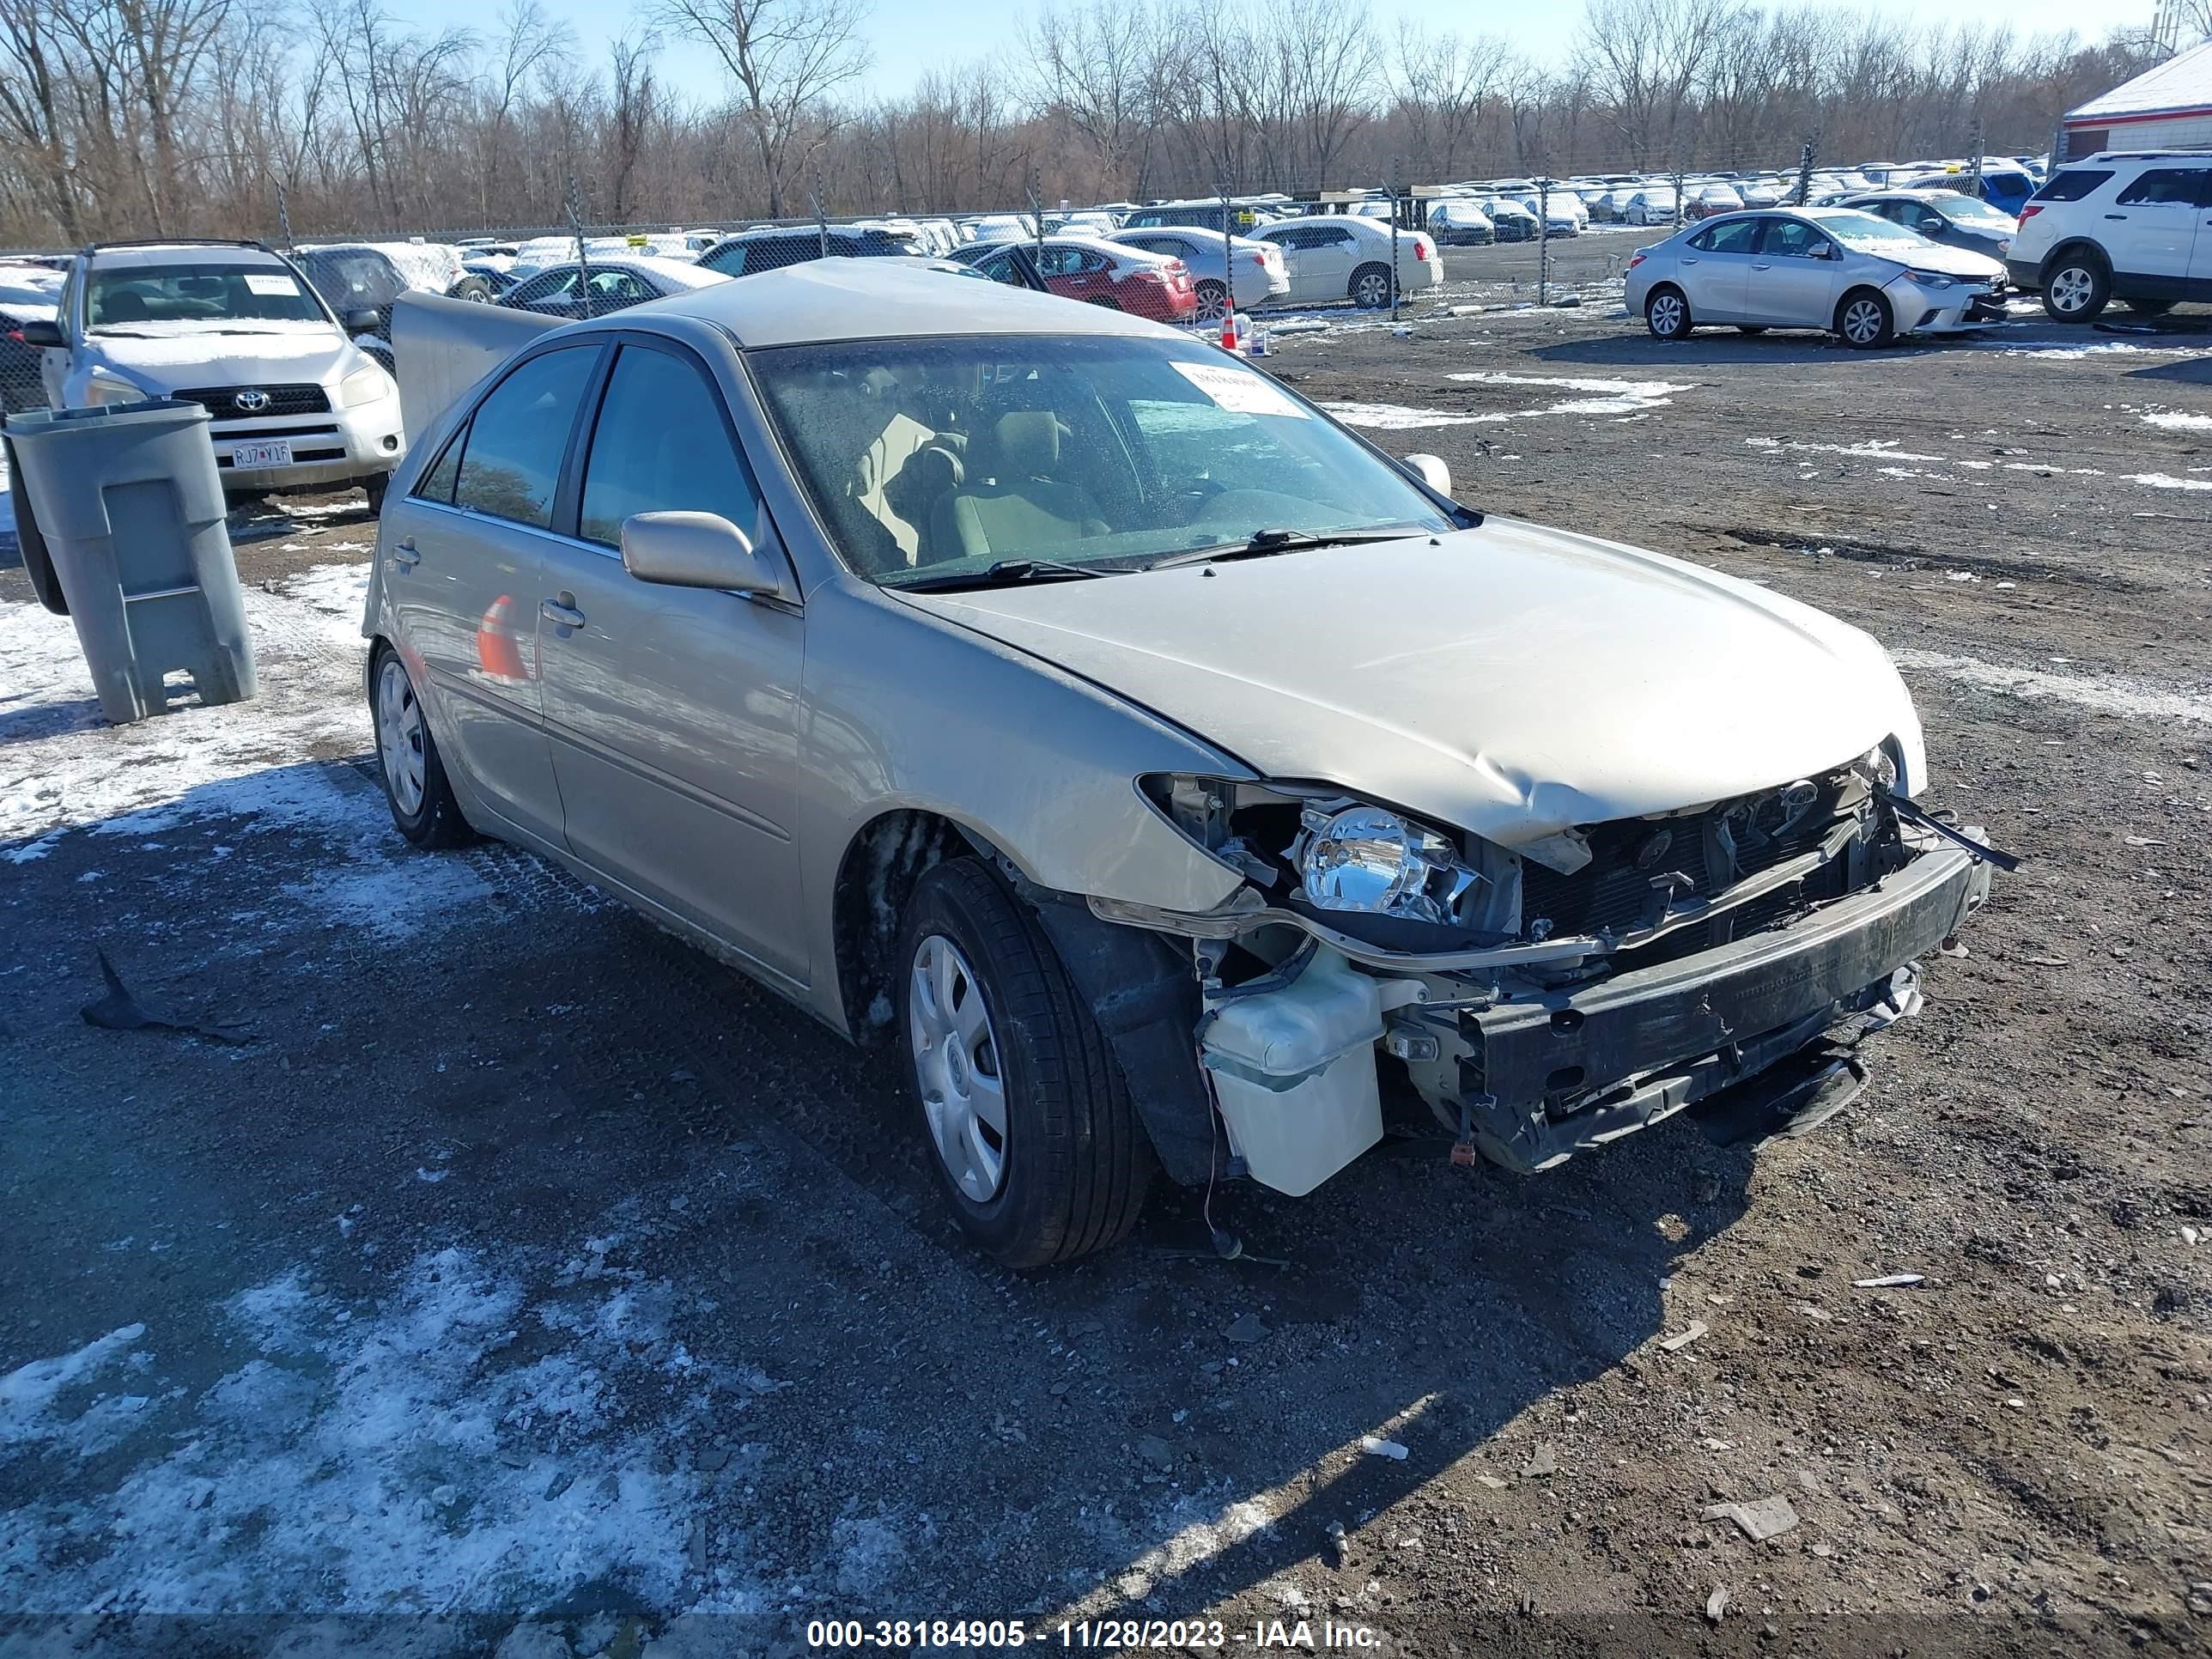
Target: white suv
<point>2131,225</point>
<point>240,331</point>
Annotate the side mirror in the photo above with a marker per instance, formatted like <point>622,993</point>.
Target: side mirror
<point>42,331</point>
<point>1432,471</point>
<point>362,319</point>
<point>693,549</point>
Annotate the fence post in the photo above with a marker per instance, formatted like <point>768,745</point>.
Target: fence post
<point>1974,165</point>
<point>1543,241</point>
<point>283,215</point>
<point>1804,191</point>
<point>1228,263</point>
<point>1036,215</point>
<point>1394,239</point>
<point>583,260</point>
<point>821,223</point>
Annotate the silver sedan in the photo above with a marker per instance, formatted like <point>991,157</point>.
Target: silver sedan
<point>1146,756</point>
<point>1850,274</point>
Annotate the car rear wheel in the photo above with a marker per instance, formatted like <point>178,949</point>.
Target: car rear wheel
<point>1035,1142</point>
<point>424,808</point>
<point>1667,313</point>
<point>1212,299</point>
<point>1864,321</point>
<point>2075,288</point>
<point>374,489</point>
<point>1371,288</point>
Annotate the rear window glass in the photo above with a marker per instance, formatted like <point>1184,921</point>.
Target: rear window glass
<point>2182,186</point>
<point>1734,236</point>
<point>2072,184</point>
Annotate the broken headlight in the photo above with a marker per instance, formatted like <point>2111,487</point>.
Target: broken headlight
<point>1369,860</point>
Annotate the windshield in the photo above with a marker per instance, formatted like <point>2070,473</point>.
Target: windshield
<point>1972,211</point>
<point>1866,233</point>
<point>931,458</point>
<point>251,299</point>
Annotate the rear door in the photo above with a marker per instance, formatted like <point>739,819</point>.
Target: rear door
<point>2200,258</point>
<point>1793,276</point>
<point>1714,269</point>
<point>673,712</point>
<point>2150,230</point>
<point>462,567</point>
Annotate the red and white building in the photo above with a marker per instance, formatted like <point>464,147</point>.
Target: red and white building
<point>2165,107</point>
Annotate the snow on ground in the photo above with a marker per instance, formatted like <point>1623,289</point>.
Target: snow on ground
<point>1397,417</point>
<point>1624,398</point>
<point>467,1439</point>
<point>2175,420</point>
<point>2065,353</point>
<point>2168,480</point>
<point>63,767</point>
<point>2131,699</point>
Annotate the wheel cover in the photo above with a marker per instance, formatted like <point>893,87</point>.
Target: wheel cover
<point>1862,321</point>
<point>400,735</point>
<point>1372,290</point>
<point>1667,313</point>
<point>2071,288</point>
<point>1210,296</point>
<point>956,1059</point>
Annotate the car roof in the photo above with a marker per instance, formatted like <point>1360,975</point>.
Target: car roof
<point>683,272</point>
<point>829,300</point>
<point>139,255</point>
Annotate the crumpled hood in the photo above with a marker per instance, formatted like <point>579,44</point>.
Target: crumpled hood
<point>1511,680</point>
<point>203,358</point>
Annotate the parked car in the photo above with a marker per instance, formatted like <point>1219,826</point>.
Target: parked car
<point>239,330</point>
<point>1102,273</point>
<point>1508,220</point>
<point>1340,256</point>
<point>596,286</point>
<point>2008,189</point>
<point>1456,221</point>
<point>753,251</point>
<point>1244,217</point>
<point>498,278</point>
<point>367,277</point>
<point>28,294</point>
<point>1860,278</point>
<point>1253,271</point>
<point>998,227</point>
<point>1652,204</point>
<point>1945,216</point>
<point>1035,691</point>
<point>2126,225</point>
<point>1762,193</point>
<point>1702,200</point>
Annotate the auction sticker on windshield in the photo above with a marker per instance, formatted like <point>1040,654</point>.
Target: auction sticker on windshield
<point>273,284</point>
<point>265,454</point>
<point>1240,391</point>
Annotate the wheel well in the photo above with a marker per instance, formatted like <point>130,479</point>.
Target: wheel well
<point>875,880</point>
<point>2079,248</point>
<point>1851,293</point>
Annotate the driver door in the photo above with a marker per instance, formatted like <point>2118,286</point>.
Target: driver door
<point>1793,275</point>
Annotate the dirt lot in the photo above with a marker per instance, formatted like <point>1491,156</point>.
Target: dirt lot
<point>521,1276</point>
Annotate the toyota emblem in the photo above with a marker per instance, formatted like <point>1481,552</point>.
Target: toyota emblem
<point>252,400</point>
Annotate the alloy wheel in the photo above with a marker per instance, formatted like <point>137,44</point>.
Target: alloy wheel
<point>1373,291</point>
<point>2071,288</point>
<point>955,1057</point>
<point>1862,322</point>
<point>400,735</point>
<point>1667,316</point>
<point>1211,298</point>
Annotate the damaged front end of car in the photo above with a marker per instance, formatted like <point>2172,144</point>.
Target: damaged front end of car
<point>1547,997</point>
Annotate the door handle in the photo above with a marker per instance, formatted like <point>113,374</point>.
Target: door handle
<point>1762,265</point>
<point>403,556</point>
<point>1688,260</point>
<point>562,611</point>
<point>2116,216</point>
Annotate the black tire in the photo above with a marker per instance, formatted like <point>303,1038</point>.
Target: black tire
<point>1864,321</point>
<point>2077,285</point>
<point>2149,307</point>
<point>1370,288</point>
<point>1751,328</point>
<point>434,822</point>
<point>1667,313</point>
<point>1212,297</point>
<point>474,289</point>
<point>373,489</point>
<point>1076,1162</point>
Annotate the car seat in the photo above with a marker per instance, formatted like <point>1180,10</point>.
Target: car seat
<point>1010,503</point>
<point>122,305</point>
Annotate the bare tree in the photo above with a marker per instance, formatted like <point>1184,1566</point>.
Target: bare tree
<point>784,58</point>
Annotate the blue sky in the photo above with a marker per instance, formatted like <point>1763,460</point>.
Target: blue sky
<point>909,40</point>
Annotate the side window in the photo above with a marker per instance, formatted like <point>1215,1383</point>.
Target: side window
<point>1729,236</point>
<point>2168,187</point>
<point>1089,264</point>
<point>511,467</point>
<point>548,286</point>
<point>437,484</point>
<point>1792,239</point>
<point>2073,184</point>
<point>1335,236</point>
<point>661,445</point>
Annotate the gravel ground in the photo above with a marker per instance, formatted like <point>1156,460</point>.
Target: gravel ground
<point>503,1269</point>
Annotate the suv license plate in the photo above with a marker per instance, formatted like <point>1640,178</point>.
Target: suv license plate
<point>258,455</point>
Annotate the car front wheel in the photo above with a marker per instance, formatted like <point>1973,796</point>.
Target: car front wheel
<point>1864,321</point>
<point>1035,1142</point>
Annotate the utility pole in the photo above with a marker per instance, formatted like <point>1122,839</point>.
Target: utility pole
<point>1974,160</point>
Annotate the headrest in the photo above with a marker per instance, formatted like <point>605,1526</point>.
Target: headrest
<point>1028,442</point>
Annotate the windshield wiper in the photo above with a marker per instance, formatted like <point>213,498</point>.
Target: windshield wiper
<point>1262,542</point>
<point>1007,572</point>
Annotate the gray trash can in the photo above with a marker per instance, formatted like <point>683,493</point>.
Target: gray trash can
<point>119,513</point>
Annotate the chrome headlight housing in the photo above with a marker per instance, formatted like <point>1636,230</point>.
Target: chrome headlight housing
<point>105,388</point>
<point>1369,860</point>
<point>366,385</point>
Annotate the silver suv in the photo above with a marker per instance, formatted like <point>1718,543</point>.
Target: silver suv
<point>238,329</point>
<point>2129,225</point>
